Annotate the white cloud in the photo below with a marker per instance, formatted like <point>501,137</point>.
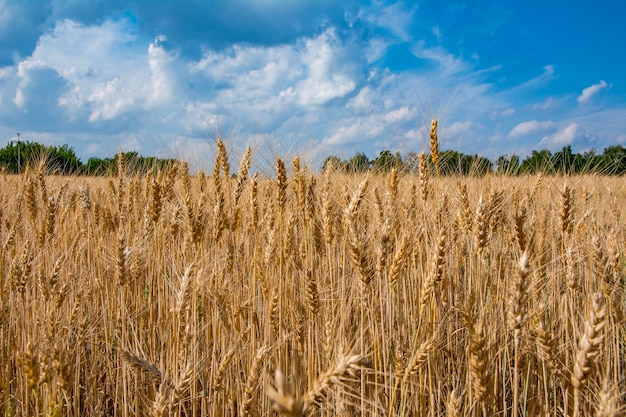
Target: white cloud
<point>25,69</point>
<point>561,138</point>
<point>504,113</point>
<point>160,75</point>
<point>437,32</point>
<point>146,87</point>
<point>200,117</point>
<point>447,62</point>
<point>402,114</point>
<point>456,129</point>
<point>311,72</point>
<point>92,148</point>
<point>110,100</point>
<point>6,72</point>
<point>325,79</point>
<point>345,134</point>
<point>19,98</point>
<point>257,68</point>
<point>415,135</point>
<point>197,152</point>
<point>591,91</point>
<point>530,126</point>
<point>376,49</point>
<point>86,53</point>
<point>356,130</point>
<point>394,18</point>
<point>363,100</point>
<point>320,91</point>
<point>111,75</point>
<point>548,75</point>
<point>548,70</point>
<point>545,104</point>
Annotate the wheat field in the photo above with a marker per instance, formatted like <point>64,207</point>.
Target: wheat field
<point>172,294</point>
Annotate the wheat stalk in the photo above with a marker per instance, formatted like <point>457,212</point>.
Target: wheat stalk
<point>344,369</point>
<point>423,176</point>
<point>566,213</point>
<point>434,144</point>
<point>252,381</point>
<point>357,247</point>
<point>588,346</point>
<point>517,313</point>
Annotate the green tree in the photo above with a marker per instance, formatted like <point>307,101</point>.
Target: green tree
<point>386,160</point>
<point>411,162</point>
<point>457,163</point>
<point>591,162</point>
<point>508,165</point>
<point>566,162</point>
<point>358,163</point>
<point>63,160</point>
<point>97,166</point>
<point>480,166</point>
<point>58,159</point>
<point>335,162</point>
<point>145,164</point>
<point>614,160</point>
<point>30,154</point>
<point>538,161</point>
<point>8,157</point>
<point>451,163</point>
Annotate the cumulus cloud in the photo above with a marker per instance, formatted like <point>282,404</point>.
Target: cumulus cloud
<point>36,95</point>
<point>111,100</point>
<point>591,91</point>
<point>402,114</point>
<point>147,87</point>
<point>561,138</point>
<point>310,72</point>
<point>111,76</point>
<point>502,113</point>
<point>545,104</point>
<point>345,135</point>
<point>325,79</point>
<point>457,128</point>
<point>363,100</point>
<point>530,126</point>
<point>368,129</point>
<point>160,90</point>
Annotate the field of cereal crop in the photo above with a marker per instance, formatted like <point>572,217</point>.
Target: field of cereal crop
<point>172,294</point>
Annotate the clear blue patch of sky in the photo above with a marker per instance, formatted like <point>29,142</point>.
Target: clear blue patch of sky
<point>578,37</point>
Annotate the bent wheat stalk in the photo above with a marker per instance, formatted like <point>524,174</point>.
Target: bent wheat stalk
<point>284,402</point>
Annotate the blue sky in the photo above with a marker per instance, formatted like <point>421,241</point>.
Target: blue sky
<point>312,77</point>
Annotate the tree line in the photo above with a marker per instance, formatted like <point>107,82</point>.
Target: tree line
<point>612,161</point>
<point>62,160</point>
